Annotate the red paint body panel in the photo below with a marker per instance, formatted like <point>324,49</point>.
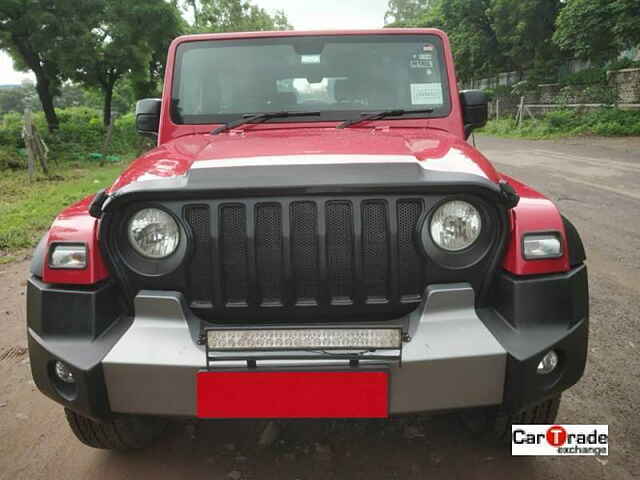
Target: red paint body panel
<point>75,225</point>
<point>534,213</point>
<point>438,149</point>
<point>309,394</point>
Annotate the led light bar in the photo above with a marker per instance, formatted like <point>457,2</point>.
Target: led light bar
<point>304,339</point>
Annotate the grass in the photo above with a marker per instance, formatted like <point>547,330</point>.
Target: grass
<point>27,208</point>
<point>607,122</point>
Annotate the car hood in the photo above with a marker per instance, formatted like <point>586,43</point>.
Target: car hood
<point>435,150</point>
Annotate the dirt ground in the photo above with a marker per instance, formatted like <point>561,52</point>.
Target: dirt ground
<point>595,182</point>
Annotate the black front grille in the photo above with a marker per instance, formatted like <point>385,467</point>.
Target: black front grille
<point>304,253</point>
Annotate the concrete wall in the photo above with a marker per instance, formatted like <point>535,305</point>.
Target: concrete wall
<point>627,82</point>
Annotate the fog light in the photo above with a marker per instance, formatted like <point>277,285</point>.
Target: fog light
<point>548,363</point>
<point>63,373</point>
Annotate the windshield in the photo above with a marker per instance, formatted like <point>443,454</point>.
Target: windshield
<point>339,76</point>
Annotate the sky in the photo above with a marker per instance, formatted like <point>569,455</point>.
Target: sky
<point>302,14</point>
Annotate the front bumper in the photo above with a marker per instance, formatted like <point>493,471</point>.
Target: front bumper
<point>455,356</point>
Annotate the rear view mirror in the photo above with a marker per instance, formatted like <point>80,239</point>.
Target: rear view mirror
<point>475,110</point>
<point>148,116</point>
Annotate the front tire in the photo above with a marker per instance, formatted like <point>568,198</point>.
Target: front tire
<point>496,425</point>
<point>124,432</point>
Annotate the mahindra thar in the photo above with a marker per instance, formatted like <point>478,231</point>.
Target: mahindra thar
<point>312,237</point>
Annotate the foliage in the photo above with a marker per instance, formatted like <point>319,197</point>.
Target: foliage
<point>499,91</point>
<point>623,63</point>
<point>564,123</point>
<point>524,32</point>
<point>36,33</point>
<point>123,38</point>
<point>237,16</point>
<point>16,99</point>
<point>81,132</point>
<point>473,39</point>
<point>598,29</point>
<point>401,13</point>
<point>588,76</point>
<point>491,36</point>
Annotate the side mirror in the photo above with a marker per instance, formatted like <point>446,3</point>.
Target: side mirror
<point>475,110</point>
<point>148,116</point>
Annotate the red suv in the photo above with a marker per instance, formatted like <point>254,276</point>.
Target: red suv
<point>312,237</point>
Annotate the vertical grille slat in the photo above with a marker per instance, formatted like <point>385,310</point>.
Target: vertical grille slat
<point>234,255</point>
<point>269,268</point>
<point>198,218</point>
<point>410,262</point>
<point>340,266</point>
<point>304,252</point>
<point>375,250</point>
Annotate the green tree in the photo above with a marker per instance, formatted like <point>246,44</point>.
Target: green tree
<point>124,41</point>
<point>34,33</point>
<point>405,13</point>
<point>17,98</point>
<point>598,29</point>
<point>474,41</point>
<point>524,32</point>
<point>238,16</point>
<point>490,36</point>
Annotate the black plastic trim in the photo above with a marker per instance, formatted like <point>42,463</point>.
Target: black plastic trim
<point>282,180</point>
<point>83,357</point>
<point>79,311</point>
<point>38,258</point>
<point>78,327</point>
<point>532,315</point>
<point>554,299</point>
<point>95,208</point>
<point>575,247</point>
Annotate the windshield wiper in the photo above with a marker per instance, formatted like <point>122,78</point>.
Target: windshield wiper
<point>378,115</point>
<point>259,118</point>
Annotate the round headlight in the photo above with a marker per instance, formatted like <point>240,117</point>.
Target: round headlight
<point>154,233</point>
<point>455,225</point>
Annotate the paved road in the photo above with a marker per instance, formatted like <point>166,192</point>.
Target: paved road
<point>595,183</point>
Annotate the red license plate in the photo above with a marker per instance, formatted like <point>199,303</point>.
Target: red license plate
<point>302,394</point>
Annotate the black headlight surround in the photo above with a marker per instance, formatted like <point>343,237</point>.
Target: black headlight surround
<point>146,266</point>
<point>470,256</point>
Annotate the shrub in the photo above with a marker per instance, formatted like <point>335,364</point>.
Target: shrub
<point>80,133</point>
<point>589,76</point>
<point>605,122</point>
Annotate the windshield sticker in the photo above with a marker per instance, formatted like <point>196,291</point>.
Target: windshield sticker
<point>421,60</point>
<point>426,94</point>
<point>310,58</point>
<point>428,47</point>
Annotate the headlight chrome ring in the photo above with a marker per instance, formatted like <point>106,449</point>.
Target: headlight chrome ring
<point>153,233</point>
<point>455,225</point>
